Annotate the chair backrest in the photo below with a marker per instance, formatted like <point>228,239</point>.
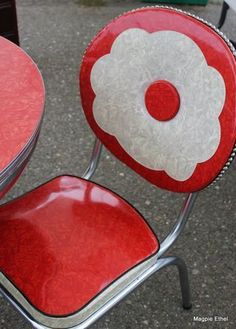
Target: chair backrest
<point>158,88</point>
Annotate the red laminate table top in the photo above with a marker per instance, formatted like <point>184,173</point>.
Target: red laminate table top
<point>22,97</point>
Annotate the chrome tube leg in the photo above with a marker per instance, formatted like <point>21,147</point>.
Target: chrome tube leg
<point>184,283</point>
<point>183,277</point>
<point>224,10</point>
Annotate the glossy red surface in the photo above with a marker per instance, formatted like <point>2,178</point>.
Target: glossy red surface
<point>162,100</point>
<point>66,241</point>
<point>21,101</point>
<point>217,54</point>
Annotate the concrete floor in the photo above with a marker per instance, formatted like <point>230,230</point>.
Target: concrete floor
<point>55,33</point>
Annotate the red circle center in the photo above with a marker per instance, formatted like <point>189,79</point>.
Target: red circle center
<point>162,100</point>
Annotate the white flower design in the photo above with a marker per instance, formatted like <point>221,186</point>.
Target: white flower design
<point>120,79</point>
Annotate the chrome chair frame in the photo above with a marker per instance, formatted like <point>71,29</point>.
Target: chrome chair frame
<point>161,262</point>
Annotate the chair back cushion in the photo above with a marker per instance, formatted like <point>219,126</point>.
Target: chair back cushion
<point>158,88</point>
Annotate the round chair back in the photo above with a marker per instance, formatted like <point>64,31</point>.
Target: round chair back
<point>158,88</point>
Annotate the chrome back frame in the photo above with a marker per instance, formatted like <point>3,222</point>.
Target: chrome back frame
<point>94,160</point>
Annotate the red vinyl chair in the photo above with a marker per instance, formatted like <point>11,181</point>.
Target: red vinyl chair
<point>158,90</point>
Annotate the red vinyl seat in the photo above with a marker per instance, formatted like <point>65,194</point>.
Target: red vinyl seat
<point>67,241</point>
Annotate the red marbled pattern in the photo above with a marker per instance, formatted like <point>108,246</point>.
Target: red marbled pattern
<point>64,242</point>
<point>162,100</point>
<point>21,101</point>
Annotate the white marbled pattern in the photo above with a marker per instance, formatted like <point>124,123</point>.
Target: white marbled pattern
<point>120,79</point>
